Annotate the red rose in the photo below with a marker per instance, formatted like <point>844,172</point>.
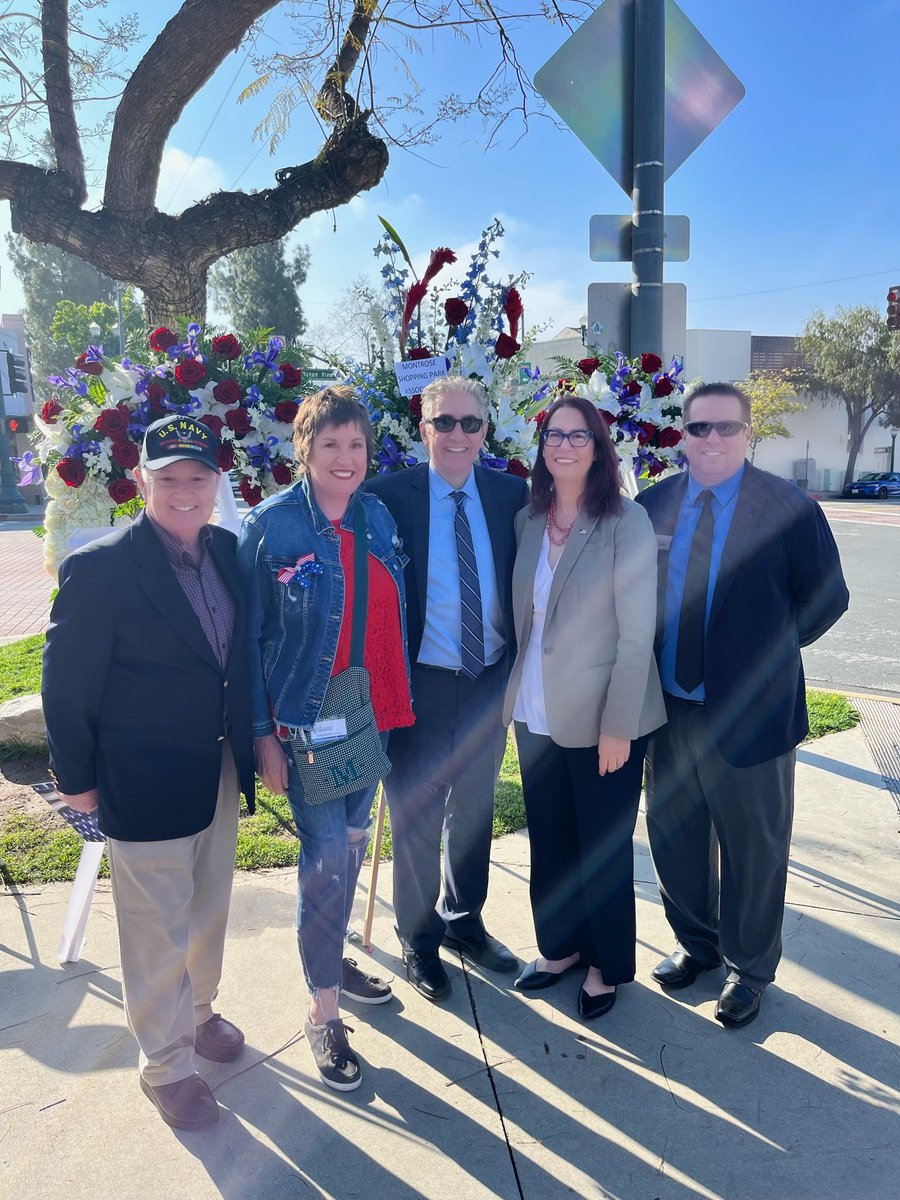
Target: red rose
<point>126,454</point>
<point>225,458</point>
<point>190,372</point>
<point>161,339</point>
<point>156,394</point>
<point>632,389</point>
<point>282,473</point>
<point>291,376</point>
<point>122,490</point>
<point>51,411</point>
<point>455,311</point>
<point>663,386</point>
<point>253,495</point>
<point>608,417</point>
<point>647,429</point>
<point>515,467</point>
<point>650,363</point>
<point>656,468</point>
<point>541,418</point>
<point>669,437</point>
<point>286,410</point>
<point>71,471</point>
<point>506,347</point>
<point>420,352</point>
<point>112,423</point>
<point>565,385</point>
<point>227,391</point>
<point>587,366</point>
<point>227,346</point>
<point>212,422</point>
<point>414,406</point>
<point>238,420</point>
<point>83,363</point>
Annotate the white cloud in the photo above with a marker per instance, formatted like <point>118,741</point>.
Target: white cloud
<point>183,180</point>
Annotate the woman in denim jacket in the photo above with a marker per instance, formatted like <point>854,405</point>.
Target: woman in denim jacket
<point>296,553</point>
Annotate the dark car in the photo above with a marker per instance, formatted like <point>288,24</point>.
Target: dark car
<point>880,484</point>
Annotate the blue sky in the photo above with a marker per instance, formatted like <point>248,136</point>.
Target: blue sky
<point>793,200</point>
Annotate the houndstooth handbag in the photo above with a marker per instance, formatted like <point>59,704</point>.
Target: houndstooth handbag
<point>331,769</point>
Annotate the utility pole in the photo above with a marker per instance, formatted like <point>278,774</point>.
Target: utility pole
<point>648,175</point>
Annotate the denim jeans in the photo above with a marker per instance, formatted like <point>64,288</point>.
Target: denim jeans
<point>327,874</point>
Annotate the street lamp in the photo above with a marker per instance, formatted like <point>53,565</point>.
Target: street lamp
<point>94,330</point>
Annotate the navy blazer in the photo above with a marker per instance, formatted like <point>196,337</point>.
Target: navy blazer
<point>779,587</point>
<point>408,497</point>
<point>135,701</point>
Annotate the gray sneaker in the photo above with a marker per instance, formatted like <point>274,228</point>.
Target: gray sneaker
<point>338,1065</point>
<point>364,989</point>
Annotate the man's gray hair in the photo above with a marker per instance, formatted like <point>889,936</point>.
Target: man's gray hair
<point>448,384</point>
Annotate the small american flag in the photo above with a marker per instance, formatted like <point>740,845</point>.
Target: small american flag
<point>84,824</point>
<point>286,574</point>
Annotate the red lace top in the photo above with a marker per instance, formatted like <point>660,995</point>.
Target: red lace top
<point>383,653</point>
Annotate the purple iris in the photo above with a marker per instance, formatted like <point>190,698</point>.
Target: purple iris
<point>390,456</point>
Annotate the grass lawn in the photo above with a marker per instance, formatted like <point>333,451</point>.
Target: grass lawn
<point>31,854</point>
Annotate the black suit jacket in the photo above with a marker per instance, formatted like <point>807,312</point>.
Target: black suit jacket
<point>779,587</point>
<point>135,701</point>
<point>408,497</point>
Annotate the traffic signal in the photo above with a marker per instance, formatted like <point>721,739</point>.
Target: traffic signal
<point>893,308</point>
<point>18,379</point>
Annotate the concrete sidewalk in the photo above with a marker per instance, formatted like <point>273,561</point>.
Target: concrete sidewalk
<point>491,1094</point>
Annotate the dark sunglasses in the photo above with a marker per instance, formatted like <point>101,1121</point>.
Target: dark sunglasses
<point>702,429</point>
<point>444,423</point>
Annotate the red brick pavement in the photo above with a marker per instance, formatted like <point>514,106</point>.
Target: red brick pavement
<point>25,586</point>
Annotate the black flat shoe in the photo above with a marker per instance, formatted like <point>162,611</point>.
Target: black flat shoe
<point>533,980</point>
<point>427,975</point>
<point>738,1005</point>
<point>679,970</point>
<point>591,1007</point>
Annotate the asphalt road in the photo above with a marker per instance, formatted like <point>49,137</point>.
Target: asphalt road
<point>862,652</point>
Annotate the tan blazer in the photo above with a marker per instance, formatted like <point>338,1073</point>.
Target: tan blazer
<point>599,670</point>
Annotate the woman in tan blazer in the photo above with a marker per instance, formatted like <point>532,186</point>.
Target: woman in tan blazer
<point>584,694</point>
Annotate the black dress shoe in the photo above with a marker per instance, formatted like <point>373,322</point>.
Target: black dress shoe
<point>427,975</point>
<point>485,950</point>
<point>738,1005</point>
<point>679,970</point>
<point>533,980</point>
<point>591,1007</point>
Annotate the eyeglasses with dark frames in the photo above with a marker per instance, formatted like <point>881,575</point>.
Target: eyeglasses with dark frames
<point>702,429</point>
<point>575,437</point>
<point>444,423</point>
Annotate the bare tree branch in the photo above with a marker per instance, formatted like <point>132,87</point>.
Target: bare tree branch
<point>333,101</point>
<point>58,86</point>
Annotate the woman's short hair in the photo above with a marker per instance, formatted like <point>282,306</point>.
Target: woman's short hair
<point>330,406</point>
<point>447,384</point>
<point>601,495</point>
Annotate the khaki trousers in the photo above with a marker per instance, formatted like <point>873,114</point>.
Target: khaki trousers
<point>172,901</point>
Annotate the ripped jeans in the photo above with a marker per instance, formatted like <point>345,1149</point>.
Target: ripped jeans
<point>333,841</point>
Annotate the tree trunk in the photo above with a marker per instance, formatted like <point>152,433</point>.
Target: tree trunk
<point>856,435</point>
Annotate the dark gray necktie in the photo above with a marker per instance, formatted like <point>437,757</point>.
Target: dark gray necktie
<point>692,623</point>
<point>472,631</point>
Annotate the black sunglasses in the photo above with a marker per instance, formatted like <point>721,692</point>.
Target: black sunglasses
<point>702,429</point>
<point>444,423</point>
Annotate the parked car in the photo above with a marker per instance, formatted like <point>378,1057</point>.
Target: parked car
<point>875,483</point>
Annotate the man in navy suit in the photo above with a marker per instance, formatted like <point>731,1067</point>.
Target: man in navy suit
<point>748,573</point>
<point>456,522</point>
<point>146,695</point>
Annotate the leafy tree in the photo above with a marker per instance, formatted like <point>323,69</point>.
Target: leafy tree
<point>58,55</point>
<point>855,361</point>
<point>257,285</point>
<point>773,396</point>
<point>71,327</point>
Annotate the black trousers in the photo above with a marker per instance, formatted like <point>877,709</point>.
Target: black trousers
<point>441,785</point>
<point>720,837</point>
<point>581,825</point>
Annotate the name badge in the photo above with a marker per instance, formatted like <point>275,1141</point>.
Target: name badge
<point>331,730</point>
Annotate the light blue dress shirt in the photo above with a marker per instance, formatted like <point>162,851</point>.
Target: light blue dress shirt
<point>440,636</point>
<point>723,505</point>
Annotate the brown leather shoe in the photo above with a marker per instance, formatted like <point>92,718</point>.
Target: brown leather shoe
<point>187,1104</point>
<point>218,1039</point>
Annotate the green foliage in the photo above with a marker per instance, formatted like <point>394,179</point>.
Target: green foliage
<point>829,713</point>
<point>70,329</point>
<point>257,285</point>
<point>773,395</point>
<point>20,668</point>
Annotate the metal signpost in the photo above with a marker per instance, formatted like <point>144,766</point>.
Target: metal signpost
<point>641,88</point>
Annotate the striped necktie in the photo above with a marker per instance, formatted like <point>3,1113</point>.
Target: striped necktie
<point>472,628</point>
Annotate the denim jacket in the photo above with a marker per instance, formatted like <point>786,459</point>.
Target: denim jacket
<point>294,629</point>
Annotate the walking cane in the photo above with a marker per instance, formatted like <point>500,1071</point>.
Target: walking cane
<point>373,878</point>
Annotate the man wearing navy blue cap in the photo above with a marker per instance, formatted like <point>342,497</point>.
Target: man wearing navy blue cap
<point>148,631</point>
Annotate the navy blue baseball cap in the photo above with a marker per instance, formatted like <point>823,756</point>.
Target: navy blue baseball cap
<point>178,439</point>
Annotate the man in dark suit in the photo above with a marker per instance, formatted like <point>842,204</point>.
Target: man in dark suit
<point>147,701</point>
<point>456,522</point>
<point>748,573</point>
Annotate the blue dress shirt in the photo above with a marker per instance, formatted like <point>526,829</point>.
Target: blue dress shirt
<point>723,504</point>
<point>441,632</point>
